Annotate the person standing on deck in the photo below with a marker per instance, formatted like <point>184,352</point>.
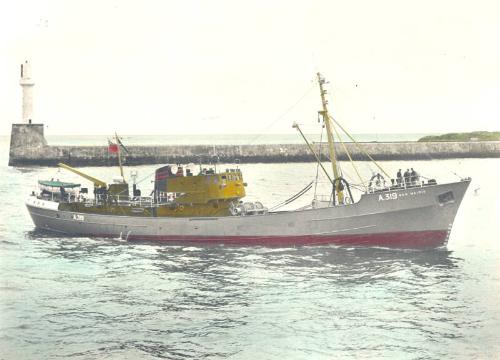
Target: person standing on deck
<point>63,193</point>
<point>407,177</point>
<point>414,177</point>
<point>399,178</point>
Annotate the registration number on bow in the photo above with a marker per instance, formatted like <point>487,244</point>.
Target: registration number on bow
<point>388,196</point>
<point>395,195</point>
<point>78,217</point>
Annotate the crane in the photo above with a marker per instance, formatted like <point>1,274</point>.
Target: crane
<point>97,183</point>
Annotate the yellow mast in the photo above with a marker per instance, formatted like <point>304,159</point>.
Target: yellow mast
<point>119,156</point>
<point>331,148</point>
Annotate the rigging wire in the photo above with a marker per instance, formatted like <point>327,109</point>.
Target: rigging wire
<point>360,148</point>
<point>368,155</point>
<point>317,164</point>
<point>347,175</point>
<point>444,166</point>
<point>290,108</point>
<point>348,154</point>
<point>145,177</point>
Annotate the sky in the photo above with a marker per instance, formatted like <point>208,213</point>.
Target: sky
<point>238,67</point>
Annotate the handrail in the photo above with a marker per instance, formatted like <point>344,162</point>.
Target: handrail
<point>122,200</point>
<point>403,186</point>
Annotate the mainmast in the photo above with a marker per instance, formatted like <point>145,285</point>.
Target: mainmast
<point>331,148</point>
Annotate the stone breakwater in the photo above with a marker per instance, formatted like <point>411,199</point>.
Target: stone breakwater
<point>29,148</point>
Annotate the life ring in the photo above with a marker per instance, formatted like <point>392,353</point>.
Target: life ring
<point>378,180</point>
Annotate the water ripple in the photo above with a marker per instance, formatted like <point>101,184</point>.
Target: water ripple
<point>88,298</point>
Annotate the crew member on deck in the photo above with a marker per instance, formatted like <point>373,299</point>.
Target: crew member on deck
<point>399,178</point>
<point>63,193</point>
<point>414,177</point>
<point>407,177</point>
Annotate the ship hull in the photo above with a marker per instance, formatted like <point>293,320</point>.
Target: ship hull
<point>419,217</point>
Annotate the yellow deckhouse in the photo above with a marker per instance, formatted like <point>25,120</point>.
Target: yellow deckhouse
<point>179,194</point>
<point>207,194</point>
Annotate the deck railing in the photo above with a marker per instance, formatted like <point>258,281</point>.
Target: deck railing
<point>402,186</point>
<point>102,199</point>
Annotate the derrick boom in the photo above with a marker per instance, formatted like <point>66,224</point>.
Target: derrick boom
<point>97,182</point>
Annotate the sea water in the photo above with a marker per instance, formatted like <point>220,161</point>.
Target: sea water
<point>93,298</point>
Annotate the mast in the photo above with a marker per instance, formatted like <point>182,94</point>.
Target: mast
<point>331,148</point>
<point>119,156</point>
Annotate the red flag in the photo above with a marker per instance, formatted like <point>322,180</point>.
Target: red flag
<point>113,148</point>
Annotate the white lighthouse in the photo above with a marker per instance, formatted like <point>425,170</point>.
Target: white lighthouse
<point>26,138</point>
<point>27,84</point>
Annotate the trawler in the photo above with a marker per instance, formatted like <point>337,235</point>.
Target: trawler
<point>207,207</point>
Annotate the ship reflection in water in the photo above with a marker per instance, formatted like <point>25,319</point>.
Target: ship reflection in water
<point>219,301</point>
<point>367,258</point>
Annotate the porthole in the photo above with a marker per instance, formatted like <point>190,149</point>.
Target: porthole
<point>446,198</point>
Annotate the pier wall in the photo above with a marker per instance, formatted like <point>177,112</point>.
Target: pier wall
<point>29,148</point>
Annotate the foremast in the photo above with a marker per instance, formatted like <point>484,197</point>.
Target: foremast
<point>118,143</point>
<point>331,148</point>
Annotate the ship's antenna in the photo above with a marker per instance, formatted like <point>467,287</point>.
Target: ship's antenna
<point>329,133</point>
